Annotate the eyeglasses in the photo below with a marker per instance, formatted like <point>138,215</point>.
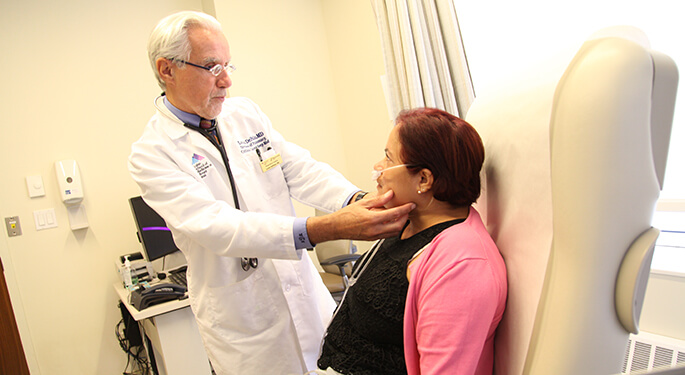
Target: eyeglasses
<point>215,70</point>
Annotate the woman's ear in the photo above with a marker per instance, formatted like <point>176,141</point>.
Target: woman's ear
<point>426,179</point>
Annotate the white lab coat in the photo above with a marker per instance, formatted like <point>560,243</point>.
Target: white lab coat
<point>269,320</point>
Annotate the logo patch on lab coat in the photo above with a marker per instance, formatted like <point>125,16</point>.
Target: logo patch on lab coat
<point>201,165</point>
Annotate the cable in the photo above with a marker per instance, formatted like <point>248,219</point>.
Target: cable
<point>136,355</point>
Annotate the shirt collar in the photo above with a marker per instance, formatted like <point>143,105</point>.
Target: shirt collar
<point>187,118</point>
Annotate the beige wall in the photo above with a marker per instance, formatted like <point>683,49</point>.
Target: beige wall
<point>357,64</point>
<point>319,80</point>
<point>76,85</point>
<point>662,313</point>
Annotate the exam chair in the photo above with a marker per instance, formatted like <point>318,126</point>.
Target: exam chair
<point>336,259</point>
<point>575,161</point>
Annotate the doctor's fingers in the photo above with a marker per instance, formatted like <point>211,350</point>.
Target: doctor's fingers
<point>372,200</point>
<point>382,230</point>
<point>389,222</point>
<point>394,214</point>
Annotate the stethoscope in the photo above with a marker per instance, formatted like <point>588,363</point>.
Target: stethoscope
<point>214,137</point>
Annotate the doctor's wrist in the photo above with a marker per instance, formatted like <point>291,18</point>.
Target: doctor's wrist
<point>359,196</point>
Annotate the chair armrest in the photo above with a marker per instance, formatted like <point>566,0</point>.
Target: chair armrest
<point>339,259</point>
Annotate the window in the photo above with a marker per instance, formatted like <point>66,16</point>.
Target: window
<point>669,253</point>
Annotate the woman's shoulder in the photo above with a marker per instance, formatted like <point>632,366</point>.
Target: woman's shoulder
<point>472,229</point>
<point>469,240</point>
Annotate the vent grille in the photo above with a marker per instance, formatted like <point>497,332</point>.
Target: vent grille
<point>662,357</point>
<point>647,352</point>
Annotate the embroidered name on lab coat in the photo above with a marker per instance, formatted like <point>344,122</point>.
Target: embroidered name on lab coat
<point>251,143</point>
<point>201,165</point>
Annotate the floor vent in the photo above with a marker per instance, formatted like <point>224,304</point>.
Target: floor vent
<point>648,352</point>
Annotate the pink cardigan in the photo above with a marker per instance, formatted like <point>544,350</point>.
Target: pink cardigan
<point>456,297</point>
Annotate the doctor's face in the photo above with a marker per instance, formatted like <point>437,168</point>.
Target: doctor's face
<point>195,90</point>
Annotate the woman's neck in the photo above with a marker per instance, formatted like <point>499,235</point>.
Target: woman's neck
<point>438,212</point>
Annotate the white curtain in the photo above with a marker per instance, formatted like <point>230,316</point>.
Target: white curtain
<point>424,56</point>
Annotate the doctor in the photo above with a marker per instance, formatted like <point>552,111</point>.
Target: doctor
<point>222,178</point>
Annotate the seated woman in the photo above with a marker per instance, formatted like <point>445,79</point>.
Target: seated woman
<point>429,300</point>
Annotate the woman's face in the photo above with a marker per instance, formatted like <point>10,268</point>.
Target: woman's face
<point>403,184</point>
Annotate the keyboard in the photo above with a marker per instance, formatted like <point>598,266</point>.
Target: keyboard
<point>178,277</point>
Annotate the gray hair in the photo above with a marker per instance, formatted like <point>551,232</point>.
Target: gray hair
<point>169,39</point>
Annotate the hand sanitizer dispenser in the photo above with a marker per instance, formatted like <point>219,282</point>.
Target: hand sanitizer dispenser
<point>69,180</point>
<point>71,192</point>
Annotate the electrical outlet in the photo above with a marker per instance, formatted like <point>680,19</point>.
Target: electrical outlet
<point>13,226</point>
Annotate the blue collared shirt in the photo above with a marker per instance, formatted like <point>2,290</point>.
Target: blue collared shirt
<point>187,118</point>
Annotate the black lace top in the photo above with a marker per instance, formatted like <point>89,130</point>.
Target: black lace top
<point>365,335</point>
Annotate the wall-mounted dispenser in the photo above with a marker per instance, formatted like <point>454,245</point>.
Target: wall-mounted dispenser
<point>71,192</point>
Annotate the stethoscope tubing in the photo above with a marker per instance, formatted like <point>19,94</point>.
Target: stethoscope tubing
<point>246,263</point>
<point>224,157</point>
<point>219,146</point>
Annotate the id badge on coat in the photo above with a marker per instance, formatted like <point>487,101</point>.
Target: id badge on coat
<point>271,160</point>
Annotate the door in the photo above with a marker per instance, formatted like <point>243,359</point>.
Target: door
<point>12,358</point>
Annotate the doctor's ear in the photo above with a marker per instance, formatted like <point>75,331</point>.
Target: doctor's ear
<point>164,68</point>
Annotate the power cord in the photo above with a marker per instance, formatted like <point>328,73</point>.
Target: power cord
<point>131,343</point>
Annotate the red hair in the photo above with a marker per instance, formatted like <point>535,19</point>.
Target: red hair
<point>446,145</point>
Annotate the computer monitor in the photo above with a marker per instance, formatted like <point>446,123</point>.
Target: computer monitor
<point>153,233</point>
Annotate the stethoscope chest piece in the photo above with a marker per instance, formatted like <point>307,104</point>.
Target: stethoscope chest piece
<point>247,263</point>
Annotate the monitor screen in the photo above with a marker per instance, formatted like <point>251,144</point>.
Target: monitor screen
<point>153,233</point>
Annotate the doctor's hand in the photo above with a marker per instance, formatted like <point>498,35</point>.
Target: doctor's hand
<point>364,220</point>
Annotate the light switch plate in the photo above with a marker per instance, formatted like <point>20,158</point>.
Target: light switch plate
<point>13,226</point>
<point>35,186</point>
<point>45,219</point>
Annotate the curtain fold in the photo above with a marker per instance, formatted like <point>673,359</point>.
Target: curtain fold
<point>424,56</point>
